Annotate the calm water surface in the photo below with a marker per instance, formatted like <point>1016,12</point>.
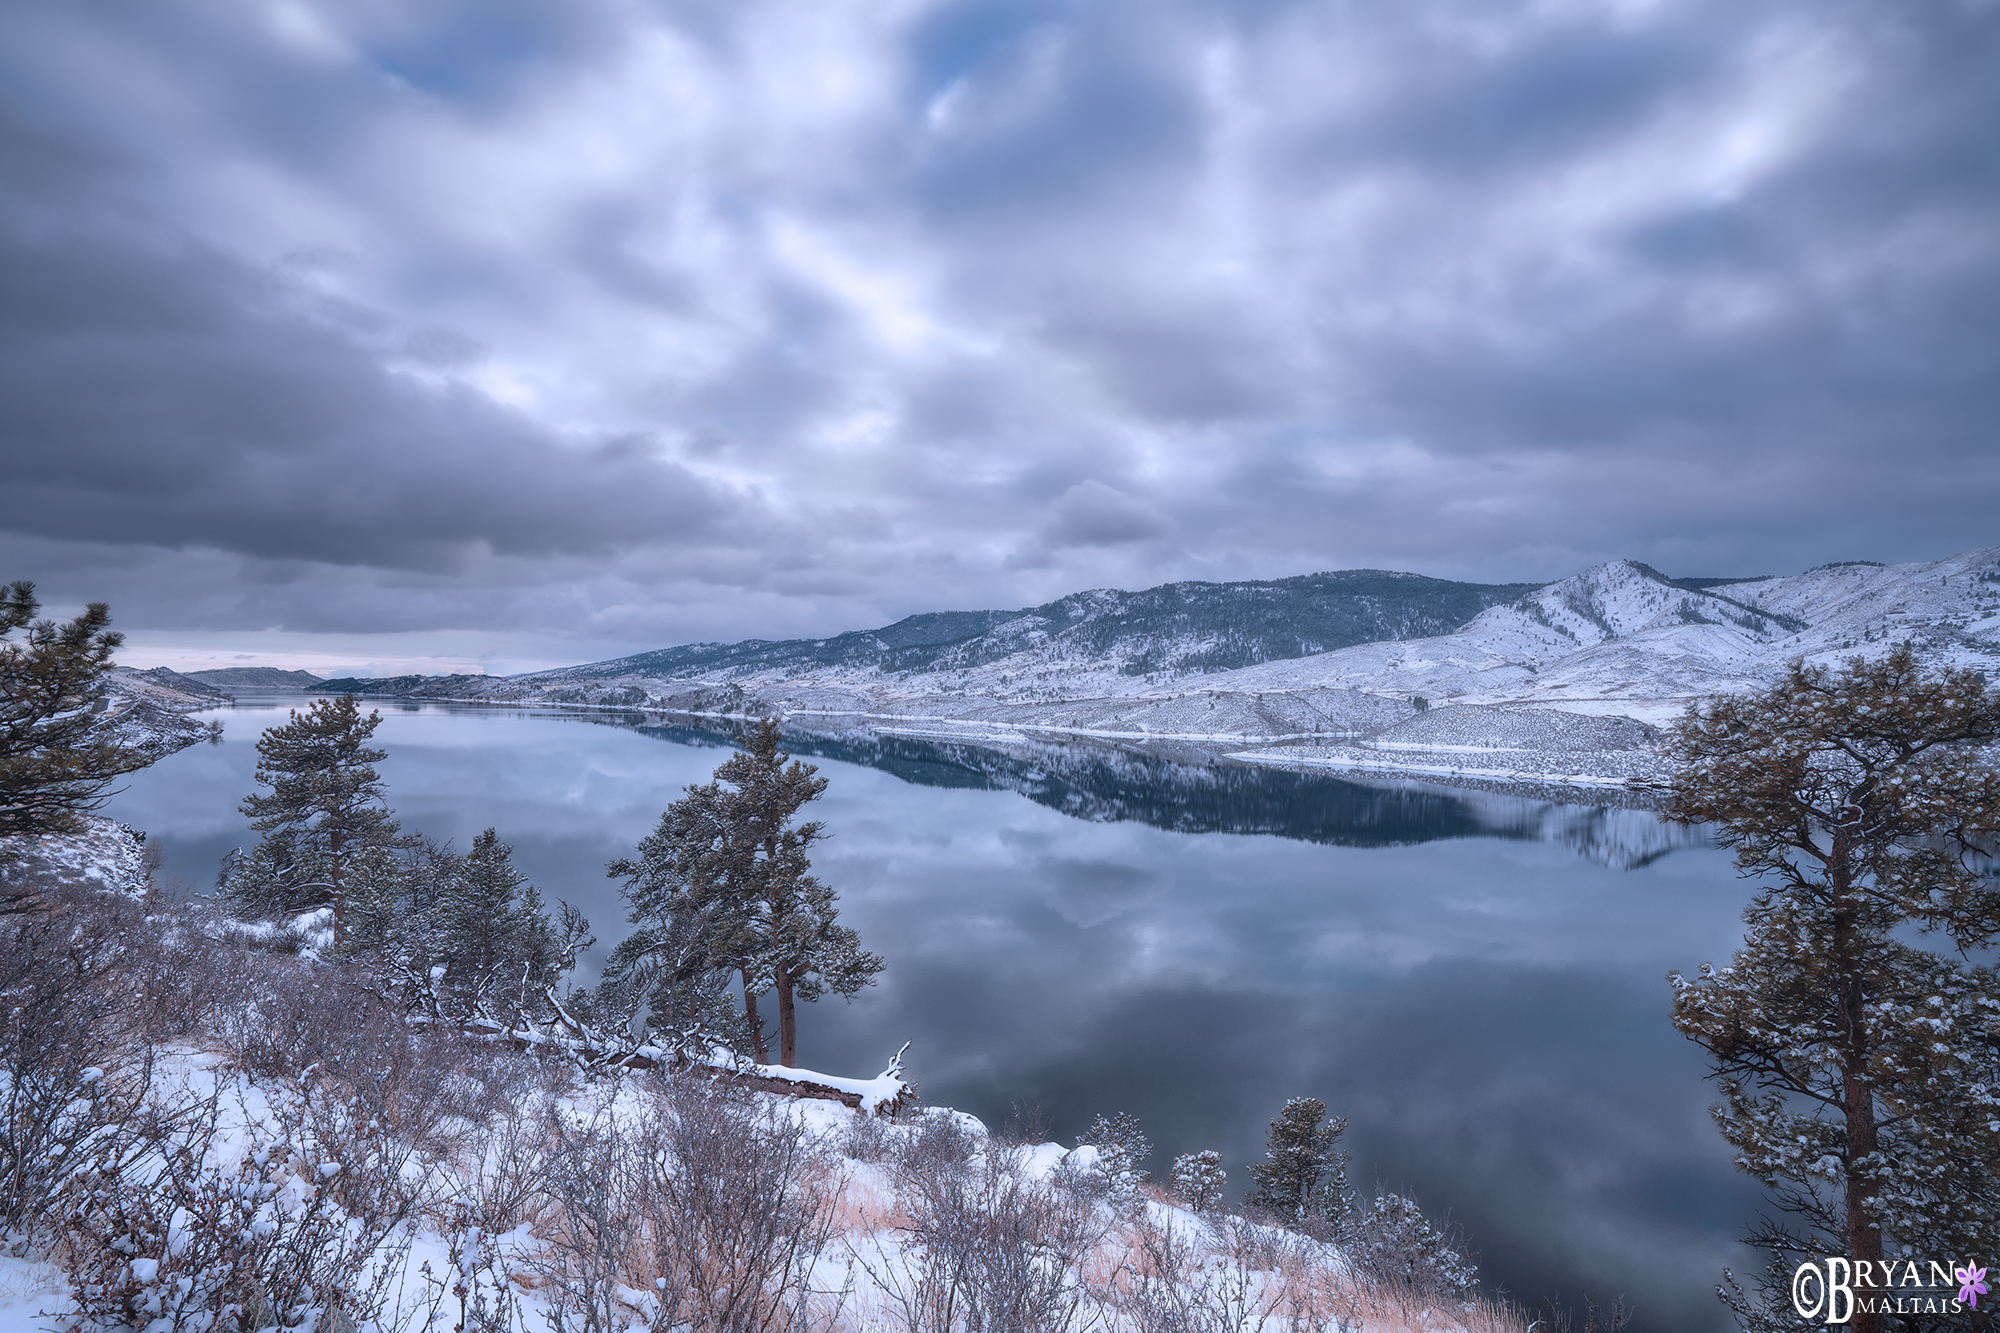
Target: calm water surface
<point>1475,982</point>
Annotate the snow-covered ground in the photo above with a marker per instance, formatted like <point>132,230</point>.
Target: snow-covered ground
<point>144,714</point>
<point>248,1136</point>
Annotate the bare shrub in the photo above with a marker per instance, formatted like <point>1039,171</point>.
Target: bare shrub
<point>67,1056</point>
<point>1556,1318</point>
<point>991,1248</point>
<point>182,978</point>
<point>1169,1283</point>
<point>477,1281</point>
<point>162,1235</point>
<point>867,1138</point>
<point>388,1100</point>
<point>199,970</point>
<point>1253,1243</point>
<point>938,1142</point>
<point>510,1162</point>
<point>593,1237</point>
<point>1026,1126</point>
<point>739,1203</point>
<point>282,1027</point>
<point>714,1208</point>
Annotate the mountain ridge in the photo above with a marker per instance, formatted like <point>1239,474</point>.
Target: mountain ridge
<point>1185,628</point>
<point>1617,640</point>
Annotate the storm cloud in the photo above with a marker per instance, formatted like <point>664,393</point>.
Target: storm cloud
<point>628,324</point>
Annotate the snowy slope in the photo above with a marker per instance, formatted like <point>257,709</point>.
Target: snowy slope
<point>1621,632</point>
<point>1163,633</point>
<point>1619,639</point>
<point>147,714</point>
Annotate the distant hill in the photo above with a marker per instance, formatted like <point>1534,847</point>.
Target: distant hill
<point>392,684</point>
<point>254,678</point>
<point>174,680</point>
<point>1622,631</point>
<point>1176,629</point>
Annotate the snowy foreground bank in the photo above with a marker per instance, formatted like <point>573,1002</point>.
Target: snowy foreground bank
<point>210,1129</point>
<point>658,1202</point>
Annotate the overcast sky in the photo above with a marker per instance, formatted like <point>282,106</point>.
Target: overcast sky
<point>380,335</point>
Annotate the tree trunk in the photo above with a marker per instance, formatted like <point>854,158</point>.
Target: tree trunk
<point>1864,1231</point>
<point>339,892</point>
<point>756,1023</point>
<point>788,1031</point>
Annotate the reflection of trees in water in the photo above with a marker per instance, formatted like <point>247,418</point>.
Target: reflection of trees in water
<point>1106,785</point>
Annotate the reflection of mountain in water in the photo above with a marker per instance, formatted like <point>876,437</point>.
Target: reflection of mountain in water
<point>1104,784</point>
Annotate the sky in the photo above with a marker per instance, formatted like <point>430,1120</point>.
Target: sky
<point>485,335</point>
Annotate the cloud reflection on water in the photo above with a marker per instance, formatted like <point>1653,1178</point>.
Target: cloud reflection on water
<point>1483,1003</point>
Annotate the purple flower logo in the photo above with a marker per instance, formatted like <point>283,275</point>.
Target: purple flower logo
<point>1973,1284</point>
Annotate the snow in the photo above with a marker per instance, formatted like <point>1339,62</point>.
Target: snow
<point>34,1296</point>
<point>880,1095</point>
<point>1616,640</point>
<point>28,1289</point>
<point>1384,764</point>
<point>105,854</point>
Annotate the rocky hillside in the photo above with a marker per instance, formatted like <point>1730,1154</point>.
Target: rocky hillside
<point>148,714</point>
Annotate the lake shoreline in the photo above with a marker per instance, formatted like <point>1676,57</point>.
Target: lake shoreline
<point>1640,788</point>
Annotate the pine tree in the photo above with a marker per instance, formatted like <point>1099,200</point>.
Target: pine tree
<point>1303,1178</point>
<point>1396,1246</point>
<point>468,936</point>
<point>667,969</point>
<point>492,932</point>
<point>1122,1148</point>
<point>395,895</point>
<point>325,807</point>
<point>688,894</point>
<point>54,763</point>
<point>1860,1072</point>
<point>729,853</point>
<point>1199,1180</point>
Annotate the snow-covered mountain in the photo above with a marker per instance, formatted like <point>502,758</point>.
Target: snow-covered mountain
<point>1501,689</point>
<point>1622,637</point>
<point>1163,633</point>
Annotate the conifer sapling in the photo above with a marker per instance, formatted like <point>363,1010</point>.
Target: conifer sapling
<point>1303,1177</point>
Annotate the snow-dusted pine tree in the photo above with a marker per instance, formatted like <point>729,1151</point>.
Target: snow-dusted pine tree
<point>730,852</point>
<point>1860,1071</point>
<point>1199,1180</point>
<point>1303,1178</point>
<point>493,932</point>
<point>1394,1244</point>
<point>671,971</point>
<point>324,808</point>
<point>54,762</point>
<point>1122,1149</point>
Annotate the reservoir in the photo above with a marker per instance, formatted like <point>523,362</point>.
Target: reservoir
<point>1475,981</point>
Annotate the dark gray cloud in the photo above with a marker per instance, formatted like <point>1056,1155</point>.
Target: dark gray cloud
<point>650,323</point>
